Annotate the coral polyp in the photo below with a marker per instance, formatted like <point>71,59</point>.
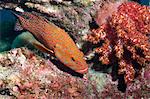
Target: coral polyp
<point>126,41</point>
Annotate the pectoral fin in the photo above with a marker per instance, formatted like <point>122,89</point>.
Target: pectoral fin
<point>42,47</point>
<point>23,39</point>
<point>27,39</point>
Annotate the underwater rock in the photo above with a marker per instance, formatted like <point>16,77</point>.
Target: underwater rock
<point>27,75</point>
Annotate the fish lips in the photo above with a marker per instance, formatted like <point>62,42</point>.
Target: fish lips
<point>83,71</point>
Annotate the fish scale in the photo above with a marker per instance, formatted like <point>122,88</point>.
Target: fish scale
<point>53,39</point>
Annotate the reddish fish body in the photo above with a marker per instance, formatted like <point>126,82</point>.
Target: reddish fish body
<point>55,40</point>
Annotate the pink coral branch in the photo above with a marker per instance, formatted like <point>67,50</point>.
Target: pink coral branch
<point>125,34</point>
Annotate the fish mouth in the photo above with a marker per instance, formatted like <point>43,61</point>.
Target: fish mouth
<point>82,71</point>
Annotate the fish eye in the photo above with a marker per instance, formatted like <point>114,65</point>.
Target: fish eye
<point>72,59</point>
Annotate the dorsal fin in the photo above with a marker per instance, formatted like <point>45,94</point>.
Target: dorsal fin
<point>42,18</point>
<point>18,26</point>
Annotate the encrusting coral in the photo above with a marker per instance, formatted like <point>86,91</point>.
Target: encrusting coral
<point>23,75</point>
<point>125,35</point>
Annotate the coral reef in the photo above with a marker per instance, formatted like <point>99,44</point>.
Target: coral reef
<point>25,75</point>
<point>137,90</point>
<point>125,35</point>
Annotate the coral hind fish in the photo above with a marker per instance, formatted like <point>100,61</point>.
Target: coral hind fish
<point>53,40</point>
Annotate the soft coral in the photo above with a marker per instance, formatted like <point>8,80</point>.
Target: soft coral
<point>124,32</point>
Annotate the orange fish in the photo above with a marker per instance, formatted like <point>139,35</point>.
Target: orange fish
<point>54,40</point>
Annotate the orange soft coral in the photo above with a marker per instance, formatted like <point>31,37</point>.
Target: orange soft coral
<point>126,37</point>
